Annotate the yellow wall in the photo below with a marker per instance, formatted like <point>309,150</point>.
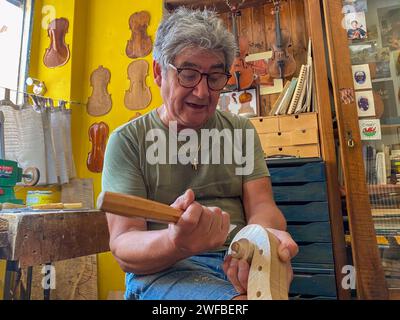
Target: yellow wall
<point>98,34</point>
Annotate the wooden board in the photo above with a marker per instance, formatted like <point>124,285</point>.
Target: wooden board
<point>219,5</point>
<point>75,279</point>
<point>42,237</point>
<point>3,239</point>
<point>3,225</point>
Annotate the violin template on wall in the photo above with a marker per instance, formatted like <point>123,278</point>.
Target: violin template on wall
<point>98,135</point>
<point>58,52</point>
<point>99,102</point>
<point>140,44</point>
<point>138,96</point>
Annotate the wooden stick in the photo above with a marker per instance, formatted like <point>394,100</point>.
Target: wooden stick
<point>133,206</point>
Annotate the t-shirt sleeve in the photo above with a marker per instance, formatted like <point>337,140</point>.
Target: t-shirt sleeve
<point>121,169</point>
<point>260,167</point>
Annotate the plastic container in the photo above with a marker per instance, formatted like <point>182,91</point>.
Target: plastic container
<point>40,197</point>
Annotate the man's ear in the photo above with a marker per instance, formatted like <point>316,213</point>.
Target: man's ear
<point>157,73</point>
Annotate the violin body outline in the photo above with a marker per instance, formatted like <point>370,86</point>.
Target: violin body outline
<point>138,96</point>
<point>100,102</point>
<point>58,53</point>
<point>98,135</point>
<point>140,44</point>
<point>242,73</point>
<point>282,63</point>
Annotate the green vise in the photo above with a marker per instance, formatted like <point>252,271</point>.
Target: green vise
<point>10,175</point>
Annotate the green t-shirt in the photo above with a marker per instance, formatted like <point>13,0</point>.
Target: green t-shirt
<point>128,170</point>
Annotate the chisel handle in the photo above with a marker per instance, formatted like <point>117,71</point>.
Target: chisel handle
<point>133,206</point>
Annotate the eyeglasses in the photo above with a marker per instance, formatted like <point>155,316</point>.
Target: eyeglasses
<point>190,78</point>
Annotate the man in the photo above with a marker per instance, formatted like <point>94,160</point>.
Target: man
<point>192,55</point>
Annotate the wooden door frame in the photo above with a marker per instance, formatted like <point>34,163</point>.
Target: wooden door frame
<point>370,278</point>
<point>328,149</point>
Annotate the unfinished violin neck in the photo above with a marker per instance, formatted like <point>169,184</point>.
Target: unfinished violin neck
<point>267,275</point>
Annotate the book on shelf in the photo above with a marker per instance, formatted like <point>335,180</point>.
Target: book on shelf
<point>283,107</point>
<point>299,91</point>
<point>279,100</point>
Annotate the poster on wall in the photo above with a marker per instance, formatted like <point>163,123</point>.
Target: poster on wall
<point>365,103</point>
<point>350,6</point>
<point>361,77</point>
<point>386,90</point>
<point>356,26</point>
<point>370,129</point>
<point>240,102</point>
<point>389,23</point>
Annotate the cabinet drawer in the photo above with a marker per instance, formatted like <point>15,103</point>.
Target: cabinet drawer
<point>314,253</point>
<point>304,151</point>
<point>289,138</point>
<point>311,232</point>
<point>313,284</point>
<point>307,192</point>
<point>265,125</point>
<point>298,121</point>
<point>308,172</point>
<point>310,212</point>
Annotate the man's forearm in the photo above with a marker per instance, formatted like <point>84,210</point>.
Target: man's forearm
<point>268,216</point>
<point>145,252</point>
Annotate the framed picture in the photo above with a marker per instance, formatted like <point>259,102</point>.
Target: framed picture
<point>350,6</point>
<point>390,26</point>
<point>245,102</point>
<point>356,26</point>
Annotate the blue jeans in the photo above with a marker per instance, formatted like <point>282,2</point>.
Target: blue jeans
<point>197,278</point>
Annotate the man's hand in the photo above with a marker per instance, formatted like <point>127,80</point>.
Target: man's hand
<point>237,271</point>
<point>199,228</point>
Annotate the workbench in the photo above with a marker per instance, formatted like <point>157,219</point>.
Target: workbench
<point>34,238</point>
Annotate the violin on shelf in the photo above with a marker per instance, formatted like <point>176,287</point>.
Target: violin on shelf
<point>58,52</point>
<point>282,63</point>
<point>242,73</point>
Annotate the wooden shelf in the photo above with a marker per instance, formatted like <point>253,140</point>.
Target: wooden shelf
<point>218,5</point>
<point>383,188</point>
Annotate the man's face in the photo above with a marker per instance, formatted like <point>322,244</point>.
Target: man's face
<point>190,107</point>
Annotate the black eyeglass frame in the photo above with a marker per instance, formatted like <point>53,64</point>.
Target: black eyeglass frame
<point>179,70</point>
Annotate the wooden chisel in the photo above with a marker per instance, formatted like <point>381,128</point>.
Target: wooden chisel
<point>133,206</point>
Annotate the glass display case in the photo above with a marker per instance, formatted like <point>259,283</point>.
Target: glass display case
<point>366,83</point>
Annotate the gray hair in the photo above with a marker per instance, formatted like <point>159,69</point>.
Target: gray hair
<point>192,28</point>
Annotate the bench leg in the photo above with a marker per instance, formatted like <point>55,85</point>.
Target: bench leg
<point>11,280</point>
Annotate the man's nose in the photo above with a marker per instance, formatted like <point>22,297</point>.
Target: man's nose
<point>202,90</point>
